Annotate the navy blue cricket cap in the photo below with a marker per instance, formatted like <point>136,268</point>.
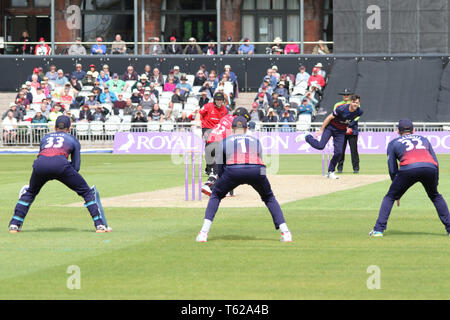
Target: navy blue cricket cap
<point>239,122</point>
<point>405,125</point>
<point>346,92</point>
<point>62,122</point>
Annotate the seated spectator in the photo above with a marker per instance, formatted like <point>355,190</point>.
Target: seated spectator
<point>287,82</point>
<point>61,80</point>
<point>282,91</point>
<point>115,84</point>
<point>77,49</point>
<point>156,114</point>
<point>34,82</point>
<point>203,99</point>
<point>85,114</point>
<point>106,70</point>
<point>119,104</point>
<point>291,48</point>
<point>97,92</point>
<point>200,78</point>
<point>69,114</point>
<point>92,102</point>
<point>16,113</point>
<point>192,47</point>
<point>316,94</point>
<point>129,108</point>
<point>321,72</point>
<point>170,86</point>
<point>184,86</point>
<point>99,47</point>
<point>36,74</point>
<point>154,48</point>
<point>176,73</point>
<point>136,97</point>
<point>38,95</point>
<point>55,113</point>
<point>309,96</point>
<point>148,71</point>
<point>286,117</point>
<point>130,74</point>
<point>42,49</point>
<point>316,77</point>
<point>118,46</point>
<point>100,114</point>
<point>139,117</point>
<point>103,78</point>
<point>275,73</point>
<point>277,47</point>
<point>262,101</point>
<point>210,50</point>
<point>246,48</point>
<point>45,109</point>
<point>140,88</point>
<point>256,114</point>
<point>24,48</point>
<point>321,48</point>
<point>52,74</point>
<point>275,98</point>
<point>147,102</point>
<point>173,47</point>
<point>302,75</point>
<point>271,116</point>
<point>277,106</point>
<point>88,80</point>
<point>157,78</point>
<point>139,108</point>
<point>107,96</point>
<point>39,118</point>
<point>272,79</point>
<point>305,107</point>
<point>183,118</point>
<point>229,48</point>
<point>93,71</point>
<point>46,87</point>
<point>143,81</point>
<point>75,86</point>
<point>9,128</point>
<point>208,88</point>
<point>154,93</point>
<point>231,75</point>
<point>79,74</point>
<point>66,97</point>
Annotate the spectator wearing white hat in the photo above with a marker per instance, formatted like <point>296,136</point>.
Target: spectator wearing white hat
<point>154,48</point>
<point>321,71</point>
<point>177,73</point>
<point>135,96</point>
<point>192,47</point>
<point>275,73</point>
<point>231,75</point>
<point>147,102</point>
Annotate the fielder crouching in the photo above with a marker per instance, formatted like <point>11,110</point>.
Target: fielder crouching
<point>52,163</point>
<point>239,162</point>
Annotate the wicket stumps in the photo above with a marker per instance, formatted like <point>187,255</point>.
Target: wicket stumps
<point>190,157</point>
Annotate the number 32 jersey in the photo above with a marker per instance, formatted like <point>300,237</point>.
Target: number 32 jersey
<point>412,151</point>
<point>61,144</point>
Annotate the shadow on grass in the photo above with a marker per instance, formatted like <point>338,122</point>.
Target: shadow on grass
<point>413,233</point>
<point>239,238</point>
<point>51,230</point>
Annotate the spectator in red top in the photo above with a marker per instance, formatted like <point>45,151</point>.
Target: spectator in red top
<point>42,49</point>
<point>291,48</point>
<point>316,77</point>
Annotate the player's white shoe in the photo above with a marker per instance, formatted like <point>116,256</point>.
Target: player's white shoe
<point>374,233</point>
<point>286,237</point>
<point>14,228</point>
<point>206,190</point>
<point>332,175</point>
<point>101,228</point>
<point>202,237</point>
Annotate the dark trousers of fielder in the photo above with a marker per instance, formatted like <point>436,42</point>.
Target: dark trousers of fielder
<point>55,168</point>
<point>353,143</point>
<point>338,141</point>
<point>402,182</point>
<point>255,176</point>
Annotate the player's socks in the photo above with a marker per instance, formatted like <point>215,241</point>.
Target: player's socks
<point>206,225</point>
<point>284,228</point>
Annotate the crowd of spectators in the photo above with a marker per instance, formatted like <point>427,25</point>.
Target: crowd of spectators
<point>118,46</point>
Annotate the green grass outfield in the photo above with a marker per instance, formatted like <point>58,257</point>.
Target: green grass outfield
<point>152,253</point>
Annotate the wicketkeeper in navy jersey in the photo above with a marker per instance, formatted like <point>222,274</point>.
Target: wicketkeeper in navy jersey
<point>239,161</point>
<point>52,163</point>
<point>336,125</point>
<point>418,163</point>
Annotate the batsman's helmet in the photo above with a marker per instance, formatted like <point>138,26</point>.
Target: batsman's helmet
<point>241,111</point>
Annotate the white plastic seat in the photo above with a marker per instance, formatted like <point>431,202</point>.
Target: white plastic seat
<point>166,94</point>
<point>190,79</point>
<point>75,112</point>
<point>82,128</point>
<point>111,128</point>
<point>192,100</point>
<point>126,118</point>
<point>96,128</point>
<point>303,122</point>
<point>168,126</point>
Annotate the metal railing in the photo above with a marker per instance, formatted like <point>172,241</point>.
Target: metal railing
<point>102,133</point>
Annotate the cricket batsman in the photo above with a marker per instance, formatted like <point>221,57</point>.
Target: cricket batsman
<point>418,163</point>
<point>52,163</point>
<point>239,161</point>
<point>336,125</point>
<point>217,134</point>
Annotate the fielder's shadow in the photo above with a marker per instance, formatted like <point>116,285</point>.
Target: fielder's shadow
<point>51,230</point>
<point>413,233</point>
<point>240,238</point>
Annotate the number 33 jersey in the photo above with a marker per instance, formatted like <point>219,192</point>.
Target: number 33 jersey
<point>412,151</point>
<point>61,144</point>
